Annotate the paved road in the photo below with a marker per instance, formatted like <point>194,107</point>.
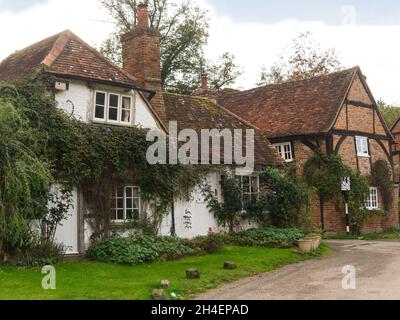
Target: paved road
<point>377,265</point>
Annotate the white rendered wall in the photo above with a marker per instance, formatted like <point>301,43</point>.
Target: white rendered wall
<point>82,98</point>
<point>192,218</point>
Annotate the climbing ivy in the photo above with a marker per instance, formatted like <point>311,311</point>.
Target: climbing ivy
<point>324,175</point>
<point>381,177</point>
<point>96,158</point>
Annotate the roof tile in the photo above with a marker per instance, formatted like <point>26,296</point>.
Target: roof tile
<point>292,108</point>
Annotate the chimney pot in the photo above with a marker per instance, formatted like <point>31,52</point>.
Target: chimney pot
<point>143,16</point>
<point>204,82</point>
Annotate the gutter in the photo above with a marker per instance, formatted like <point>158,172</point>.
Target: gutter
<point>151,93</point>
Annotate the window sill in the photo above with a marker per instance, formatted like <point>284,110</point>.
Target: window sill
<point>115,124</point>
<point>363,156</point>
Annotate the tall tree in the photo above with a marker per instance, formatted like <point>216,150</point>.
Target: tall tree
<point>390,113</point>
<point>183,28</point>
<point>305,59</point>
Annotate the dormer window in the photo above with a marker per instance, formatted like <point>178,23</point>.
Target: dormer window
<point>113,108</point>
<point>285,151</point>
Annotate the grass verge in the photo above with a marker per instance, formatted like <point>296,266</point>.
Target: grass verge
<point>91,280</point>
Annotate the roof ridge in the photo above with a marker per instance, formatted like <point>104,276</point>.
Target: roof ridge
<point>57,48</point>
<point>354,69</point>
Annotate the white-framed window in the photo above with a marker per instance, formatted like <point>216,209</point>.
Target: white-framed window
<point>100,105</point>
<point>362,147</point>
<point>285,151</point>
<point>126,110</point>
<point>113,108</point>
<point>372,203</point>
<point>126,204</point>
<point>250,189</point>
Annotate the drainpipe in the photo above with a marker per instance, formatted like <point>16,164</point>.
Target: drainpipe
<point>173,226</point>
<point>321,205</point>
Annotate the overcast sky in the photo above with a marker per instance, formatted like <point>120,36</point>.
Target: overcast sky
<point>364,33</point>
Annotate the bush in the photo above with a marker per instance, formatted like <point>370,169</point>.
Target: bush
<point>140,249</point>
<point>210,244</point>
<point>284,201</point>
<point>39,255</point>
<point>269,237</point>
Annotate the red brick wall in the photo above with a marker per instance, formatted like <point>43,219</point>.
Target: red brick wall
<point>359,119</point>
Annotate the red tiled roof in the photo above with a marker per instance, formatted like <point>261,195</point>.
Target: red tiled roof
<point>63,54</point>
<point>201,113</point>
<point>292,108</point>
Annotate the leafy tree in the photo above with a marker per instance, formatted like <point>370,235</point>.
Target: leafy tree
<point>184,33</point>
<point>390,113</point>
<point>304,60</point>
<point>24,182</point>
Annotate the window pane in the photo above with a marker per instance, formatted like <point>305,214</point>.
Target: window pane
<point>365,148</point>
<point>120,192</point>
<point>99,113</point>
<point>120,203</point>
<point>288,152</point>
<point>113,101</point>
<point>359,145</point>
<point>100,98</point>
<point>113,114</point>
<point>129,214</point>
<point>120,214</point>
<point>135,203</point>
<point>246,184</point>
<point>129,203</point>
<point>135,193</point>
<point>279,150</point>
<point>128,192</point>
<point>126,103</point>
<point>254,185</point>
<point>126,116</point>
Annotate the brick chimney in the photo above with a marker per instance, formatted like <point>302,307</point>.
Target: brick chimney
<point>142,58</point>
<point>204,82</point>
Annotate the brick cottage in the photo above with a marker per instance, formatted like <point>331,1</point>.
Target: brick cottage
<point>335,113</point>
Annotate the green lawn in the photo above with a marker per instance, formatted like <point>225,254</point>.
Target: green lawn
<point>89,280</point>
<point>390,235</point>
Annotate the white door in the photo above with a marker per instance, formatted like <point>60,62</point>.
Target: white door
<point>67,232</point>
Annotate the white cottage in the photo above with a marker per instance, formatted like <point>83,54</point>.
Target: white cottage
<point>95,91</point>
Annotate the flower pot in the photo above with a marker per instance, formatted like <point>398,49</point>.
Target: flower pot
<point>306,245</point>
<point>316,242</point>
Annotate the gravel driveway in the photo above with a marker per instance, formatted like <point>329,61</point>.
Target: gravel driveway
<point>377,265</point>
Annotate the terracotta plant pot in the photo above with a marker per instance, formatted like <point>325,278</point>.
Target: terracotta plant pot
<point>316,242</point>
<point>306,245</point>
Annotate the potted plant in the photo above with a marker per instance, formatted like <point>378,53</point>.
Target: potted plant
<point>316,239</point>
<point>306,245</point>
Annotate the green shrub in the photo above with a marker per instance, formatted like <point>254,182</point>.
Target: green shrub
<point>284,202</point>
<point>269,237</point>
<point>38,255</point>
<point>140,249</point>
<point>210,244</point>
